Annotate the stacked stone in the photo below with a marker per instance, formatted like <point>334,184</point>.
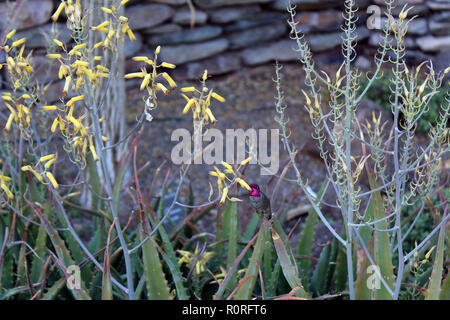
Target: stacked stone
<point>225,35</point>
<point>428,34</point>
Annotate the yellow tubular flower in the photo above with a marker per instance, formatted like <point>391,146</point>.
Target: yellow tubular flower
<point>63,71</point>
<point>6,190</point>
<point>98,44</point>
<point>134,75</point>
<point>101,25</point>
<point>221,175</point>
<point>58,11</point>
<point>46,158</point>
<point>18,42</point>
<point>37,175</point>
<point>145,82</point>
<point>188,89</point>
<point>161,87</point>
<point>217,97</point>
<point>205,75</point>
<point>123,19</point>
<point>123,2</point>
<point>168,65</point>
<point>54,125</point>
<point>92,148</point>
<point>141,58</point>
<point>74,99</point>
<point>11,63</point>
<point>102,68</point>
<point>66,84</point>
<point>131,35</point>
<point>172,83</point>
<point>213,173</point>
<point>211,116</point>
<point>243,163</point>
<point>188,106</point>
<point>9,122</point>
<point>49,163</point>
<point>52,179</point>
<point>75,122</point>
<point>226,165</point>
<point>59,43</point>
<point>158,49</point>
<point>49,108</point>
<point>79,46</point>
<point>10,34</point>
<point>107,10</point>
<point>243,184</point>
<point>224,195</point>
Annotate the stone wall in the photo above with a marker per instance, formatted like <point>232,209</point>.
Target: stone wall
<point>229,34</point>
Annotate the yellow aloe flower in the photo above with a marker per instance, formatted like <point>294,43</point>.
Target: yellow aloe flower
<point>52,179</point>
<point>243,184</point>
<point>58,11</point>
<point>168,65</point>
<point>217,97</point>
<point>10,34</point>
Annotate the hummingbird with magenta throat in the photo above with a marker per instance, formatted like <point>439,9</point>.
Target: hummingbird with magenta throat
<point>260,202</point>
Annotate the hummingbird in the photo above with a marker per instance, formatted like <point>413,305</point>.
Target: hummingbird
<point>260,202</point>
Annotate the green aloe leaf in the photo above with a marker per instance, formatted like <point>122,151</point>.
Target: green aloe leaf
<point>251,274</point>
<point>230,232</point>
<point>434,287</point>
<point>288,265</point>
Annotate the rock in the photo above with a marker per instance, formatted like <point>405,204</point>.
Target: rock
<point>217,65</point>
<point>419,9</point>
<point>434,44</point>
<point>439,5</point>
<point>164,28</point>
<point>363,63</point>
<point>250,37</point>
<point>310,21</point>
<point>416,27</point>
<point>376,38</point>
<point>37,37</point>
<point>441,61</point>
<point>282,50</point>
<point>259,19</point>
<point>45,69</point>
<point>31,14</point>
<point>184,17</point>
<point>147,15</point>
<point>227,15</point>
<point>171,2</point>
<point>191,52</point>
<point>220,3</point>
<point>306,4</point>
<point>130,48</point>
<point>412,57</point>
<point>188,35</point>
<point>326,41</point>
<point>440,23</point>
